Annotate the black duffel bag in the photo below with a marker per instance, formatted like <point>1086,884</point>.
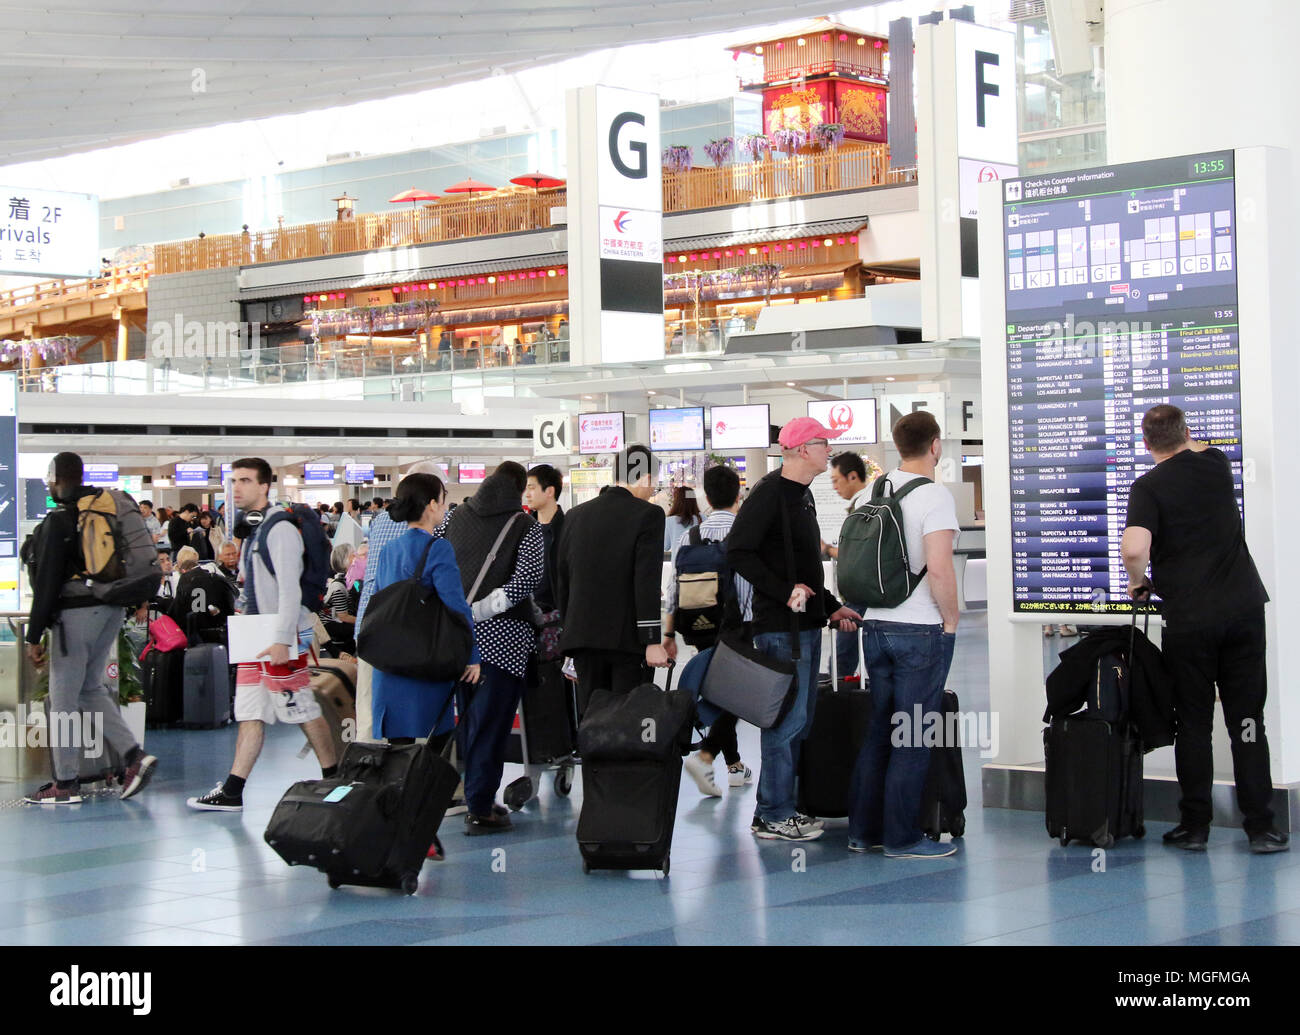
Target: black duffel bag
<point>409,631</point>
<point>644,724</point>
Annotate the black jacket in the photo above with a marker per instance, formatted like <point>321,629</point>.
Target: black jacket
<point>546,594</point>
<point>178,533</point>
<point>1151,699</point>
<point>197,590</point>
<point>474,526</point>
<point>57,563</point>
<point>756,551</point>
<point>608,571</point>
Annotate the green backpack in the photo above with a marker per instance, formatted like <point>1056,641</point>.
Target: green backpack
<point>873,568</point>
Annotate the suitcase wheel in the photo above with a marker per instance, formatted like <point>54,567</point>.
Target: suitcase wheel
<point>958,825</point>
<point>1065,839</point>
<point>586,866</point>
<point>1108,841</point>
<point>410,883</point>
<point>668,858</point>
<point>334,882</point>
<point>564,780</point>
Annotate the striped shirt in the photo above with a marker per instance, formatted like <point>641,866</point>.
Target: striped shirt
<point>382,531</point>
<point>715,528</point>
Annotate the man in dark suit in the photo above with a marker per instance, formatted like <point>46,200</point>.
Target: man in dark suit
<point>609,567</point>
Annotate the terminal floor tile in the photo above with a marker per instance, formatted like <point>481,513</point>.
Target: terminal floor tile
<point>151,872</point>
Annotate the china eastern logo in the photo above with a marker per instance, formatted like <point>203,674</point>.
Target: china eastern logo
<point>841,418</point>
<point>621,221</point>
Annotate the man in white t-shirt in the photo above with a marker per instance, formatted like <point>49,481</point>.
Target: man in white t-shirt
<point>908,651</point>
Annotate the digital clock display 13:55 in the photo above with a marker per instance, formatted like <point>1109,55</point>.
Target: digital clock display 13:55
<point>1208,166</point>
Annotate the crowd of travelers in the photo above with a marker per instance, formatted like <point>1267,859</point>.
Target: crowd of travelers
<point>529,579</point>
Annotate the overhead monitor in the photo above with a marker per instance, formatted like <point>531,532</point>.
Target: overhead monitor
<point>318,474</point>
<point>191,474</point>
<point>99,474</point>
<point>740,427</point>
<point>856,418</point>
<point>1121,293</point>
<point>601,432</point>
<point>358,474</point>
<point>471,474</point>
<point>675,430</point>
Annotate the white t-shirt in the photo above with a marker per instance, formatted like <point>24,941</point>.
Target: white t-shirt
<point>926,509</point>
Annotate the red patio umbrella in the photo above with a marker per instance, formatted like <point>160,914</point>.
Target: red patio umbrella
<point>413,195</point>
<point>469,187</point>
<point>538,180</point>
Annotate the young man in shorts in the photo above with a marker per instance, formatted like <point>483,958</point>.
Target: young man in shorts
<point>277,688</point>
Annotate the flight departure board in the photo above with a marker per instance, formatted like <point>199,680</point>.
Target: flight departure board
<point>1121,293</point>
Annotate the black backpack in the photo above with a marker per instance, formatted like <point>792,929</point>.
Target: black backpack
<point>701,573</point>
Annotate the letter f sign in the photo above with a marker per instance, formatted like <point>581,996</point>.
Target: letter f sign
<point>983,89</point>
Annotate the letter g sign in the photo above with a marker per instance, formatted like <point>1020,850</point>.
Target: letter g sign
<point>639,169</point>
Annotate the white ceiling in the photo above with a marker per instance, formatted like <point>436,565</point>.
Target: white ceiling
<point>77,75</point>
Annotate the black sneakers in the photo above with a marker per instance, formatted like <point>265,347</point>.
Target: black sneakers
<point>217,800</point>
<point>1189,839</point>
<point>1268,841</point>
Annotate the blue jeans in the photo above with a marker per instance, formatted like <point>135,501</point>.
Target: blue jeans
<point>781,744</point>
<point>908,666</point>
<point>487,714</point>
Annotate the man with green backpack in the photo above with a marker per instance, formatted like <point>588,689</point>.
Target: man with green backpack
<point>895,557</point>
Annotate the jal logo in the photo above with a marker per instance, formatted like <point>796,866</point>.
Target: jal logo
<point>621,221</point>
<point>988,174</point>
<point>720,428</point>
<point>635,149</point>
<point>841,418</point>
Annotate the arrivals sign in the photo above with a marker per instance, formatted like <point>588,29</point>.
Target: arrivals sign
<point>46,233</point>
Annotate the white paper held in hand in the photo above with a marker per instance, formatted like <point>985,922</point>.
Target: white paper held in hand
<point>247,636</point>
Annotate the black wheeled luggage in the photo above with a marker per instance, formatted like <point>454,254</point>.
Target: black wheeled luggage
<point>826,759</point>
<point>943,805</point>
<point>162,677</point>
<point>1094,781</point>
<point>631,776</point>
<point>206,693</point>
<point>373,823</point>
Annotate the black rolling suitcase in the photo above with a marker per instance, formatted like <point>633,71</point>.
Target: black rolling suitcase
<point>1094,781</point>
<point>373,823</point>
<point>206,693</point>
<point>546,719</point>
<point>630,784</point>
<point>943,805</point>
<point>162,676</point>
<point>840,723</point>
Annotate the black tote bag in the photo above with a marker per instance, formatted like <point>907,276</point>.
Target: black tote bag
<point>410,632</point>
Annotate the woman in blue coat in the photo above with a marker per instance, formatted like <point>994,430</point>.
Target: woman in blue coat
<point>405,708</point>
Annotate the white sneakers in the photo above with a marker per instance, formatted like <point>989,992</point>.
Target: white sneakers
<point>739,774</point>
<point>702,773</point>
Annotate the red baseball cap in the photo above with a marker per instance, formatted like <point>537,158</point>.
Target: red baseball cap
<point>804,429</point>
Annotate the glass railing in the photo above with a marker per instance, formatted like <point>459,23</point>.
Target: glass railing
<point>506,363</point>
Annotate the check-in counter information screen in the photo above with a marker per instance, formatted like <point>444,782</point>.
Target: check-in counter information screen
<point>1121,293</point>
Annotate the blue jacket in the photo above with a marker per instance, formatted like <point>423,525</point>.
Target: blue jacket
<point>401,706</point>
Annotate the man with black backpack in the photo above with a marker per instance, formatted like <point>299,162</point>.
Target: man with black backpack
<point>91,556</point>
<point>697,599</point>
<point>909,629</point>
<point>286,564</point>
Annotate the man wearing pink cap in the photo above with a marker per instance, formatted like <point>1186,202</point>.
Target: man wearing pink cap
<point>790,609</point>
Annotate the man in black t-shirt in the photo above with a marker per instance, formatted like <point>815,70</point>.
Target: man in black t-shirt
<point>1183,519</point>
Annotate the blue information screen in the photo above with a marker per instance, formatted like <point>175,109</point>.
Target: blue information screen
<point>1121,293</point>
